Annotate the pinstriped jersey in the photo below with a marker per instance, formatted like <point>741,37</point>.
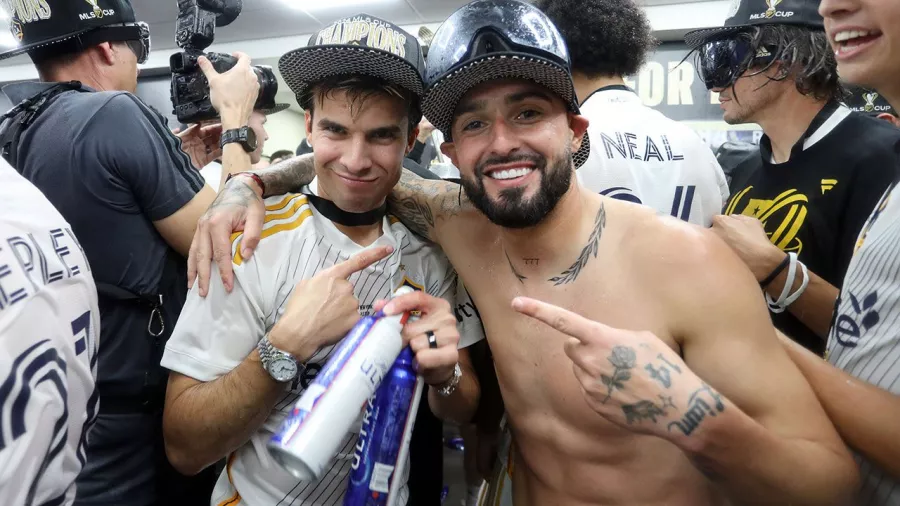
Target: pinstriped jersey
<point>865,335</point>
<point>216,333</point>
<point>49,323</point>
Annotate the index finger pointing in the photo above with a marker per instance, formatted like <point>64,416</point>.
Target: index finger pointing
<point>359,262</point>
<point>561,319</point>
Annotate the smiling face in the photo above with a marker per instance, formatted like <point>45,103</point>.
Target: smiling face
<point>513,143</point>
<point>865,35</point>
<point>359,144</point>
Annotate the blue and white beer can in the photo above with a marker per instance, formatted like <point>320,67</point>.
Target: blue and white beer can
<point>311,434</point>
<point>379,460</point>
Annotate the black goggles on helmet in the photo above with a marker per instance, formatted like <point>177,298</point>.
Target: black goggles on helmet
<point>721,62</point>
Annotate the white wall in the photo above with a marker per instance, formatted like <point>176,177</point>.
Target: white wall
<point>286,130</point>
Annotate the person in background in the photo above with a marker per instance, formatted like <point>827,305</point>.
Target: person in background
<point>131,191</point>
<point>636,153</point>
<point>280,155</point>
<point>215,174</point>
<point>859,383</point>
<point>872,103</point>
<point>49,320</point>
<point>424,152</point>
<point>821,168</point>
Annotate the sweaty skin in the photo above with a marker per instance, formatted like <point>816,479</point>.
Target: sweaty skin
<point>623,416</point>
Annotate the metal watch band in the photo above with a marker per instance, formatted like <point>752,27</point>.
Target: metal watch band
<point>449,386</point>
<point>268,353</point>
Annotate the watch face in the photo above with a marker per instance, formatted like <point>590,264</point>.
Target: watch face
<point>251,138</point>
<point>283,369</point>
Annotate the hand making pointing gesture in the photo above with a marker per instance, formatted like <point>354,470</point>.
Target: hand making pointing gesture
<point>323,308</point>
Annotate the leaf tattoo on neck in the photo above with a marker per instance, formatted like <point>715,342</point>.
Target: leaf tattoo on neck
<point>589,250</point>
<point>622,358</point>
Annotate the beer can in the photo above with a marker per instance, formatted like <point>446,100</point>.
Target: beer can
<point>311,434</point>
<point>380,456</point>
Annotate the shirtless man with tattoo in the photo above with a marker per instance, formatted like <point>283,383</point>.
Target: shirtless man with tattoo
<point>683,396</point>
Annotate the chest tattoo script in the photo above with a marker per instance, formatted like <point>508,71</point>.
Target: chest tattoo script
<point>702,403</point>
<point>569,275</point>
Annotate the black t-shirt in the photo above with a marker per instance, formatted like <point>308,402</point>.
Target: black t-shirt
<point>110,165</point>
<point>816,203</point>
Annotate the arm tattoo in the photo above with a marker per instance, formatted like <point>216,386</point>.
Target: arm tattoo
<point>288,176</point>
<point>574,270</point>
<point>622,358</point>
<point>414,214</point>
<point>662,374</point>
<point>417,202</point>
<point>698,408</point>
<point>647,410</point>
<point>238,193</point>
<point>518,276</point>
<point>532,261</point>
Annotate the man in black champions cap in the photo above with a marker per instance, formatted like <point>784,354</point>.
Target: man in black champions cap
<point>327,256</point>
<point>133,195</point>
<point>797,207</point>
<point>635,423</point>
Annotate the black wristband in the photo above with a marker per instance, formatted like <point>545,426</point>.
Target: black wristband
<point>771,277</point>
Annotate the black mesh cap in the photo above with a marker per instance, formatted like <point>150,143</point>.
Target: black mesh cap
<point>869,102</point>
<point>360,44</point>
<point>488,40</point>
<point>746,14</point>
<point>274,109</point>
<point>42,23</point>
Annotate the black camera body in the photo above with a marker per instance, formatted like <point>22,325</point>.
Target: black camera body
<point>194,32</point>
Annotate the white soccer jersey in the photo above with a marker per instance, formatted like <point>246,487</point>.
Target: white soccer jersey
<point>639,155</point>
<point>49,323</point>
<point>216,333</point>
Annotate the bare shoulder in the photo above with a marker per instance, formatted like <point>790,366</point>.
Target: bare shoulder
<point>677,251</point>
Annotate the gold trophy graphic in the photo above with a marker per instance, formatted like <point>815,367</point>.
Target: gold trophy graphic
<point>98,12</point>
<point>870,101</point>
<point>771,10</point>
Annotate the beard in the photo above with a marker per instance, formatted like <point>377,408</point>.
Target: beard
<point>511,209</point>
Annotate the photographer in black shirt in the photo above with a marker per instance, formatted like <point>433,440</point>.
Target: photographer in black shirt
<point>795,215</point>
<point>132,192</point>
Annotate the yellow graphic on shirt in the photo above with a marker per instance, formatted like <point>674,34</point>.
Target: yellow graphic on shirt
<point>782,217</point>
<point>828,184</point>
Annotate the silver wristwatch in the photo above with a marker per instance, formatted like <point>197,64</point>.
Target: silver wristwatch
<point>281,365</point>
<point>449,386</point>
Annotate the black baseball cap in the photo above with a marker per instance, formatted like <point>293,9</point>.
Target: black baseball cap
<point>746,14</point>
<point>869,102</point>
<point>54,26</point>
<point>496,39</point>
<point>360,44</point>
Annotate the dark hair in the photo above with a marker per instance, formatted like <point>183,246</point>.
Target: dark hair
<point>803,55</point>
<point>48,58</point>
<point>604,37</point>
<point>281,153</point>
<point>360,88</point>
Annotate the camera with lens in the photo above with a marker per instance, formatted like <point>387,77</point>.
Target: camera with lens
<point>195,31</point>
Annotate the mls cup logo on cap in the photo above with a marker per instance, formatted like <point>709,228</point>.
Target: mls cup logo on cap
<point>770,12</point>
<point>870,99</point>
<point>98,12</point>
